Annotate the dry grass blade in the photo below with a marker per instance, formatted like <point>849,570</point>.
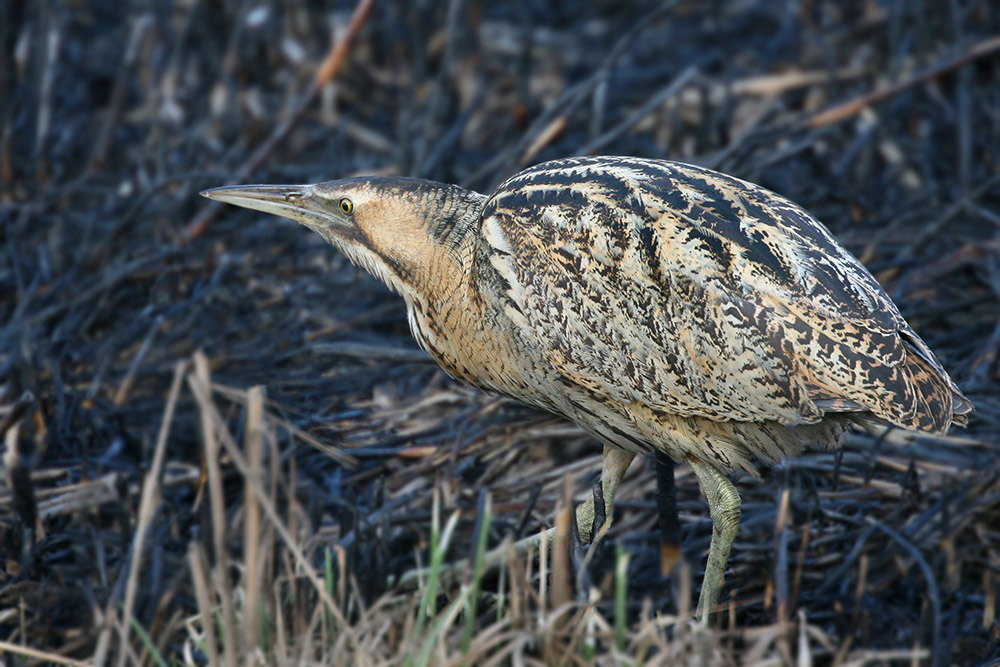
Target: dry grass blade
<point>35,654</point>
<point>203,594</point>
<point>561,545</point>
<point>254,559</point>
<point>147,507</point>
<point>217,503</point>
<point>200,388</point>
<point>342,457</point>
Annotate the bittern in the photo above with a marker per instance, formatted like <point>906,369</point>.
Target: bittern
<point>661,306</point>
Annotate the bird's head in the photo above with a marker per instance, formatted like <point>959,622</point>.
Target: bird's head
<point>398,229</point>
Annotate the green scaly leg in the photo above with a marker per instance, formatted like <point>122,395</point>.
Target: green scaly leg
<point>724,508</point>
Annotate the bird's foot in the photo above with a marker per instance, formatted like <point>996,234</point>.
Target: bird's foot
<point>600,512</point>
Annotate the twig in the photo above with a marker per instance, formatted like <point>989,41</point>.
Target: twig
<point>126,386</point>
<point>367,351</point>
<point>847,109</point>
<point>932,588</point>
<point>338,54</point>
<point>44,117</point>
<point>99,152</point>
<point>544,138</point>
<point>568,102</point>
<point>17,411</point>
<point>324,73</point>
<point>647,108</point>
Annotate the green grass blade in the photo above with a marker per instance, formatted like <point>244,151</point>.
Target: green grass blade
<point>439,548</point>
<point>484,518</point>
<point>328,581</point>
<point>444,619</point>
<point>147,641</point>
<point>621,592</point>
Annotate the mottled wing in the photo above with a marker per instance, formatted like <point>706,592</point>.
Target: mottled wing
<point>699,294</point>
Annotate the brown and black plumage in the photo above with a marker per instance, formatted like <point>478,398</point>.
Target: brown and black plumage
<point>661,306</point>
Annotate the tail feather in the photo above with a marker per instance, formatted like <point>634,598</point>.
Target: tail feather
<point>934,397</point>
<point>961,408</point>
<point>919,396</point>
<point>941,403</point>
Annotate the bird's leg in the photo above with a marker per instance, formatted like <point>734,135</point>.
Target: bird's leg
<point>666,509</point>
<point>724,508</point>
<point>616,463</point>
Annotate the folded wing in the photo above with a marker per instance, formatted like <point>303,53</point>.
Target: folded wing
<point>701,295</point>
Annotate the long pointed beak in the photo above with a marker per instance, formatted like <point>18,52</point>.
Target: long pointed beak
<point>295,202</point>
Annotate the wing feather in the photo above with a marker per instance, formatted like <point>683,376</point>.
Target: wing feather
<point>701,295</point>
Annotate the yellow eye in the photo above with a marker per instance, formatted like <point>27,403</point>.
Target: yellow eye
<point>347,206</point>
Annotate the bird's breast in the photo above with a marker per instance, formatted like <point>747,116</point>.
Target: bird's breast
<point>477,346</point>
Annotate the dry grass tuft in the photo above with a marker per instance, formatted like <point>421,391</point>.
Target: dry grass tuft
<point>269,588</point>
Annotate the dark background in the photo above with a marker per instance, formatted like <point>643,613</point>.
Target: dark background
<point>114,115</point>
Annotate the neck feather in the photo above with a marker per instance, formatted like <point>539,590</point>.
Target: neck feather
<point>452,213</point>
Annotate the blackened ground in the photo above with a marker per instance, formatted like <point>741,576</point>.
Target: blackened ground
<point>113,119</point>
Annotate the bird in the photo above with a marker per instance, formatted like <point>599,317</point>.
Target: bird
<point>668,309</point>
